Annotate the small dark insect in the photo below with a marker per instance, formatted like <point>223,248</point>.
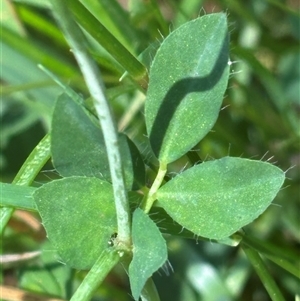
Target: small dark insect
<point>111,241</point>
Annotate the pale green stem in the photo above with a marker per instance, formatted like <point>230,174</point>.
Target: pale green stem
<point>151,197</point>
<point>263,273</point>
<point>106,261</point>
<point>26,175</point>
<point>95,85</point>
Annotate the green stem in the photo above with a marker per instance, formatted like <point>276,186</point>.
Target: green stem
<point>95,28</point>
<point>263,273</point>
<point>282,256</point>
<point>117,20</point>
<point>95,85</point>
<point>106,261</point>
<point>267,248</point>
<point>292,268</point>
<point>151,197</point>
<point>26,175</point>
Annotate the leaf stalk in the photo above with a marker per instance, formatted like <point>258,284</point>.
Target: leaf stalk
<point>151,197</point>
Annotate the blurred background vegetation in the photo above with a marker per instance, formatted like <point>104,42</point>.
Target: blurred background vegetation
<point>259,120</point>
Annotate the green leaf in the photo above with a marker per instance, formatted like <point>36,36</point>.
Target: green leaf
<point>16,196</point>
<point>77,144</point>
<point>78,214</point>
<point>78,148</point>
<point>149,251</point>
<point>168,226</point>
<point>217,198</point>
<point>55,276</point>
<point>188,78</point>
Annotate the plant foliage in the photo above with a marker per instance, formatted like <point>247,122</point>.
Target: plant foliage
<point>180,180</point>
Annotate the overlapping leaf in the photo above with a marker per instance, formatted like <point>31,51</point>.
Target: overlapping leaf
<point>217,198</point>
<point>188,78</point>
<point>79,216</point>
<point>78,148</point>
<point>149,251</point>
